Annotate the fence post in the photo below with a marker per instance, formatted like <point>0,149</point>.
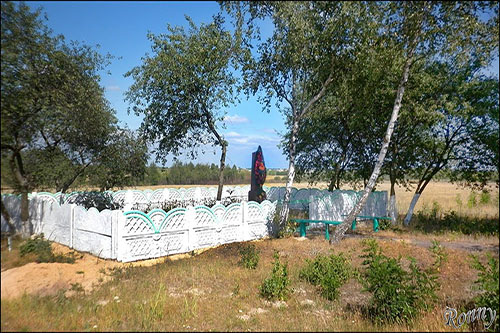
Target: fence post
<point>129,200</point>
<point>72,225</point>
<point>190,221</point>
<point>120,242</point>
<point>244,224</point>
<point>114,232</point>
<point>165,195</point>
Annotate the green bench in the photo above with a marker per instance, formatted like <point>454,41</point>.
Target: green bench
<point>303,222</point>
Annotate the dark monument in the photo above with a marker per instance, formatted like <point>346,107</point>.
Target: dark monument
<point>258,177</point>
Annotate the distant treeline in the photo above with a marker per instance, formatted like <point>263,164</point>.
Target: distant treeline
<point>206,174</point>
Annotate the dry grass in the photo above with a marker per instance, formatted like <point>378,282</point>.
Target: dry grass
<point>211,291</point>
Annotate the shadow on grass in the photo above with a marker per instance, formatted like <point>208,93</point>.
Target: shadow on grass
<point>453,222</point>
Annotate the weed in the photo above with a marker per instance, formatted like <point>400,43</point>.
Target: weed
<point>277,285</point>
<point>488,284</point>
<point>472,201</point>
<point>327,272</point>
<point>439,253</point>
<point>249,256</point>
<point>154,309</point>
<point>485,198</point>
<point>77,287</point>
<point>458,200</point>
<point>236,289</point>
<point>397,295</point>
<point>43,250</point>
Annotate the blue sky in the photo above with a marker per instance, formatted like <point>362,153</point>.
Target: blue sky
<point>120,29</point>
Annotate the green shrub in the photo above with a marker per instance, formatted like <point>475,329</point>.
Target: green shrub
<point>327,272</point>
<point>485,198</point>
<point>42,249</point>
<point>98,200</point>
<point>397,295</point>
<point>249,256</point>
<point>488,284</point>
<point>472,202</point>
<point>439,253</point>
<point>277,285</point>
<point>384,224</point>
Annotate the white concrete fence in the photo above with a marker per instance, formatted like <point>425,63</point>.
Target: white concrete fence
<point>134,235</point>
<point>128,235</point>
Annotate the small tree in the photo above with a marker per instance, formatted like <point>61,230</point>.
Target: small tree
<point>182,88</point>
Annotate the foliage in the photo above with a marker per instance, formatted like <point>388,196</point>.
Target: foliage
<point>98,200</point>
<point>440,254</point>
<point>249,256</point>
<point>277,285</point>
<point>43,250</point>
<point>327,272</point>
<point>488,284</point>
<point>455,222</point>
<point>397,295</point>
<point>53,108</point>
<point>184,88</point>
<point>123,161</point>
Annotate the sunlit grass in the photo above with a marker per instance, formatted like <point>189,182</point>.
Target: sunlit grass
<point>212,292</point>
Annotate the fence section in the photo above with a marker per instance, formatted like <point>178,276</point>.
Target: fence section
<point>135,235</point>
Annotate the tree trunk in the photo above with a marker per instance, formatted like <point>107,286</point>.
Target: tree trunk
<point>221,171</point>
<point>342,228</point>
<point>291,176</point>
<point>27,227</point>
<point>8,220</point>
<point>413,203</point>
<point>393,209</point>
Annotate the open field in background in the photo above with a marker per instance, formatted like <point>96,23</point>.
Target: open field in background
<point>210,291</point>
<point>447,195</point>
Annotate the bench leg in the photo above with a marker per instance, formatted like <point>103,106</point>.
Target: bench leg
<point>302,228</point>
<point>327,232</point>
<point>353,226</point>
<point>375,224</point>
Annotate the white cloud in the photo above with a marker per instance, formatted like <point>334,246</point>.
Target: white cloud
<point>233,134</point>
<point>251,140</point>
<point>113,88</point>
<point>236,119</point>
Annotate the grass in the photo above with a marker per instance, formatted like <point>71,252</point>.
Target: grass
<point>211,291</point>
<point>199,294</point>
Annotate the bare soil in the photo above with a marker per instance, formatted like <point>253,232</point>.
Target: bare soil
<point>45,279</point>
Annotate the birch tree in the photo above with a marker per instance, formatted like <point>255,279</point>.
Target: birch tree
<point>450,31</point>
<point>298,64</point>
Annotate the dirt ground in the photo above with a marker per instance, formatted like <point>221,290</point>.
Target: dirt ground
<point>89,271</point>
<point>48,278</point>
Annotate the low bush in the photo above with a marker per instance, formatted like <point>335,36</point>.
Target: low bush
<point>329,273</point>
<point>98,200</point>
<point>452,221</point>
<point>488,285</point>
<point>249,256</point>
<point>43,250</point>
<point>397,295</point>
<point>439,253</point>
<point>277,286</point>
